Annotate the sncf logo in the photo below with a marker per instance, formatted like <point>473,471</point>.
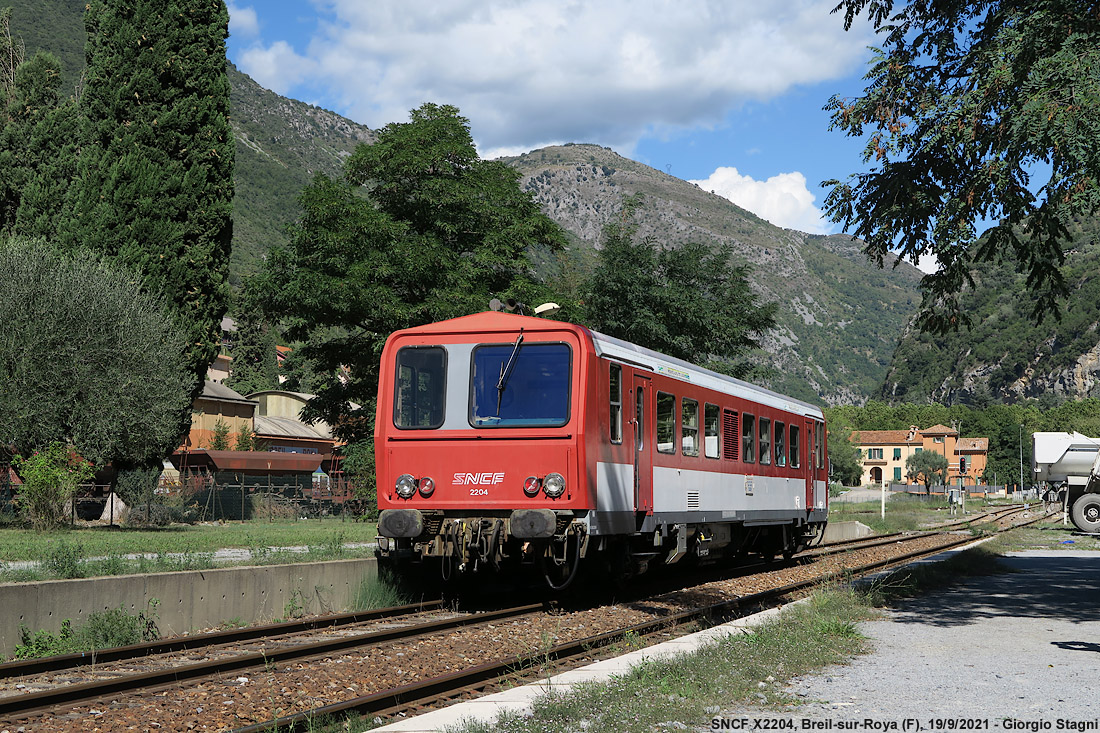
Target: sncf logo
<point>478,479</point>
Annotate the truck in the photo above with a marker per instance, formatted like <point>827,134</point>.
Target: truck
<point>1070,464</point>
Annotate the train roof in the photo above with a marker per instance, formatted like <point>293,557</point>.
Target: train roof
<point>615,348</point>
<point>670,366</point>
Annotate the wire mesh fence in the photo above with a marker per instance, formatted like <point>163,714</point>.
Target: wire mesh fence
<point>209,497</point>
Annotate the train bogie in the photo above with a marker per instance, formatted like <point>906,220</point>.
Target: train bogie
<point>504,441</point>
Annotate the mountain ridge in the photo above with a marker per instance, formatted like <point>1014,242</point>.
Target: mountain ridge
<point>839,316</point>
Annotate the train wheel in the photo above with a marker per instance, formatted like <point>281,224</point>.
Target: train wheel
<point>1086,513</point>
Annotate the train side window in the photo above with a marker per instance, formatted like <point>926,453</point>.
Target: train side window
<point>666,423</point>
<point>794,447</point>
<point>748,438</point>
<point>710,431</point>
<point>731,443</point>
<point>616,392</point>
<point>689,427</point>
<point>819,445</point>
<point>765,441</point>
<point>421,383</point>
<point>780,444</point>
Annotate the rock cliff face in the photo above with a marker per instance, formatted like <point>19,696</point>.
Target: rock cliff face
<point>839,316</point>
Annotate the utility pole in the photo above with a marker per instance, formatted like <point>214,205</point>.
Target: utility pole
<point>1020,486</point>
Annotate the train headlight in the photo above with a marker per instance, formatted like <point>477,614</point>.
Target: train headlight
<point>553,485</point>
<point>405,485</point>
<point>531,485</point>
<point>426,487</point>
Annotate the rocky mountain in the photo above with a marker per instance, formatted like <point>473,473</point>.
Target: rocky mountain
<point>1004,356</point>
<point>839,319</point>
<point>840,316</point>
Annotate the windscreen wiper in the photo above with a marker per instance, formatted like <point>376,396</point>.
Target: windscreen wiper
<point>506,369</point>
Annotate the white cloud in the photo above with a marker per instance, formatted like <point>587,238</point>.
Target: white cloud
<point>277,67</point>
<point>243,21</point>
<point>526,71</point>
<point>782,200</point>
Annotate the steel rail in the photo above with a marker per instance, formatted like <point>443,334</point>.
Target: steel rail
<point>45,699</point>
<point>402,697</point>
<point>445,686</point>
<point>198,641</point>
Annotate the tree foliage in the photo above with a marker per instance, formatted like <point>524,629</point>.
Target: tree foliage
<point>844,456</point>
<point>219,438</point>
<point>691,302</point>
<point>928,467</point>
<point>38,138</point>
<point>255,366</point>
<point>420,230</point>
<point>86,360</point>
<point>154,175</point>
<point>974,110</point>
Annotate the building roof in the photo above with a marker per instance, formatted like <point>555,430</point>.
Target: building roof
<point>285,427</point>
<point>303,396</point>
<point>978,445</point>
<point>883,437</point>
<point>260,462</point>
<point>939,430</point>
<point>221,393</point>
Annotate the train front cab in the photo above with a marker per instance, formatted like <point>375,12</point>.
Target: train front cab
<point>479,444</point>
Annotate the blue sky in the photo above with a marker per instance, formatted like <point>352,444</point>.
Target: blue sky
<point>727,93</point>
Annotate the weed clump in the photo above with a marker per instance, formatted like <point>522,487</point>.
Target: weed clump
<point>103,629</point>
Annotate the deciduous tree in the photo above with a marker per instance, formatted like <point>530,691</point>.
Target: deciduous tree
<point>974,110</point>
<point>691,302</point>
<point>928,467</point>
<point>86,360</point>
<point>421,230</point>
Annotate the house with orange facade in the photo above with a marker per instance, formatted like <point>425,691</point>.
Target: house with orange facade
<point>884,454</point>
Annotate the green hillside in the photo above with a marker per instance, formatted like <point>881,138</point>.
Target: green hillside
<point>1004,356</point>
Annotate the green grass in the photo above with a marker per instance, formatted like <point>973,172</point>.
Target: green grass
<point>1049,534</point>
<point>23,544</point>
<point>92,552</point>
<point>904,513</point>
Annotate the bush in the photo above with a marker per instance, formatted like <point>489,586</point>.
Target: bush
<point>50,478</point>
<point>135,486</point>
<point>104,629</point>
<point>161,515</point>
<point>63,559</point>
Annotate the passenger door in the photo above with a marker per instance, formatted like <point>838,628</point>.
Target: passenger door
<point>643,446</point>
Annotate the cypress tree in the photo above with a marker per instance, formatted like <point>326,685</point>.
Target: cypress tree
<point>154,184</point>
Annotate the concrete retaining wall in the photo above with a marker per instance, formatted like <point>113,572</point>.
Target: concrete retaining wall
<point>841,531</point>
<point>188,600</point>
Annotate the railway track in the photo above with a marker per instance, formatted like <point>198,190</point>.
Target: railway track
<point>431,663</point>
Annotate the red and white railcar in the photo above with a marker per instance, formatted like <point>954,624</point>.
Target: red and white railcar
<point>505,440</point>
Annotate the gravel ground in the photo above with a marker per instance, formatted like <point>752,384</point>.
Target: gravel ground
<point>1014,651</point>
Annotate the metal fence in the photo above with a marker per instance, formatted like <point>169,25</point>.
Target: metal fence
<point>212,497</point>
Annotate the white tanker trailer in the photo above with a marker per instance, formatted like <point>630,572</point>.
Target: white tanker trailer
<point>1070,462</point>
